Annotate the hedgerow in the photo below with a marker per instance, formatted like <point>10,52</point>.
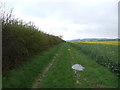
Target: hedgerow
<point>21,40</point>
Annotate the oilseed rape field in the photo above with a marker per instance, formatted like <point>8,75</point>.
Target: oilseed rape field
<point>99,42</point>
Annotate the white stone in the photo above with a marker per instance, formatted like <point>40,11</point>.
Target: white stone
<point>78,67</point>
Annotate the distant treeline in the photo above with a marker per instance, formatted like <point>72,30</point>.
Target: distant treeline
<point>21,40</point>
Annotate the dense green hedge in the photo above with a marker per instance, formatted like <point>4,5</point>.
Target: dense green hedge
<point>21,40</point>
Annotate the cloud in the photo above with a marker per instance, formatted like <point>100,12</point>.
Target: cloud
<point>70,18</point>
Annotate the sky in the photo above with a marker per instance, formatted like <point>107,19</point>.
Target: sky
<point>73,19</point>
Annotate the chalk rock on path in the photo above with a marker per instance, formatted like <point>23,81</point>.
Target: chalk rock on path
<point>78,67</point>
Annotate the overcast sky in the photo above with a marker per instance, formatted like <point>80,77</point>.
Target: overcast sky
<point>73,19</point>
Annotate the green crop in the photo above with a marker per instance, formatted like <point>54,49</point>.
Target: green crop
<point>106,55</point>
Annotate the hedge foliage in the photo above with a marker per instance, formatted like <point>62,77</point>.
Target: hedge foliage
<point>21,40</point>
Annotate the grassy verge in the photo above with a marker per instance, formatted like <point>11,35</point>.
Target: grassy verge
<point>61,74</point>
<point>26,75</point>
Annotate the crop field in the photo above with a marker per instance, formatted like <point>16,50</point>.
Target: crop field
<point>105,54</point>
<point>53,69</point>
<point>99,42</point>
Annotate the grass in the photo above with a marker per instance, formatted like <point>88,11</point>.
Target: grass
<point>61,74</point>
<point>94,75</point>
<point>25,76</point>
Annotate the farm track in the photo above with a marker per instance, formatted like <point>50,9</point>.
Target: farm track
<point>42,76</point>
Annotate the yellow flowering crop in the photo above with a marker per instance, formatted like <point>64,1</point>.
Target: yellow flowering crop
<point>99,42</point>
